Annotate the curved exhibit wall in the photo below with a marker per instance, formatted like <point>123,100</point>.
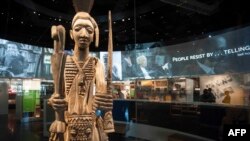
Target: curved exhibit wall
<point>225,53</point>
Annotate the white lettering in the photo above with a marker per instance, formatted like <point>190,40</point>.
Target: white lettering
<point>199,56</point>
<point>231,132</point>
<point>243,131</point>
<point>209,54</point>
<point>237,50</point>
<point>235,132</point>
<point>178,59</point>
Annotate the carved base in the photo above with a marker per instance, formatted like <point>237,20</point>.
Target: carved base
<point>80,127</point>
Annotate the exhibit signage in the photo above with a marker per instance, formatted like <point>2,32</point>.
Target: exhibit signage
<point>31,95</point>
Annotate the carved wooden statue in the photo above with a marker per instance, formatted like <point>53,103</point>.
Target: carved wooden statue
<point>80,86</point>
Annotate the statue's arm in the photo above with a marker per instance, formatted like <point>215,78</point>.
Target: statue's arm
<point>104,100</point>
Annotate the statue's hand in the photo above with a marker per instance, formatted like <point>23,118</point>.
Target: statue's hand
<point>58,103</point>
<point>103,101</point>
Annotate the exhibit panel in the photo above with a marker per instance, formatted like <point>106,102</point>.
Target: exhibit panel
<point>235,84</point>
<point>219,54</point>
<point>226,52</point>
<point>31,97</point>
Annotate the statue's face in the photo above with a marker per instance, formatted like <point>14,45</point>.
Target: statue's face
<point>82,33</point>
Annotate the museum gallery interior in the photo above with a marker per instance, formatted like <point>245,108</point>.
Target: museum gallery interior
<point>176,70</point>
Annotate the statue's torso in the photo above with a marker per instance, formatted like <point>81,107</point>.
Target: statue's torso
<point>79,92</point>
<point>79,84</point>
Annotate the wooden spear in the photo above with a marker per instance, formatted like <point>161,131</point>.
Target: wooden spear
<point>108,114</point>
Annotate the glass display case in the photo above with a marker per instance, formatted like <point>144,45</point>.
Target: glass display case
<point>165,90</point>
<point>15,88</point>
<point>23,96</point>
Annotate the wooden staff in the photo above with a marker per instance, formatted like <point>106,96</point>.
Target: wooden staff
<point>58,127</point>
<point>110,55</point>
<point>108,118</point>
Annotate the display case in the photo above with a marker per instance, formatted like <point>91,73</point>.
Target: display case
<point>182,89</point>
<point>161,90</point>
<point>152,89</point>
<point>123,90</point>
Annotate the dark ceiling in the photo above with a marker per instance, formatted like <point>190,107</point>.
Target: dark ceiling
<point>170,21</point>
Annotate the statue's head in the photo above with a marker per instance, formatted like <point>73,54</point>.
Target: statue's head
<point>84,29</point>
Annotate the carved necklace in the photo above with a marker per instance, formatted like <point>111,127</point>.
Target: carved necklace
<point>81,77</point>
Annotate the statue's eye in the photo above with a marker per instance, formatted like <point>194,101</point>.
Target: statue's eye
<point>89,29</point>
<point>77,28</point>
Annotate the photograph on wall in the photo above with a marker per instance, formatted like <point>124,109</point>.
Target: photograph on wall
<point>162,62</point>
<point>45,71</point>
<point>19,60</point>
<point>148,62</point>
<point>227,88</point>
<point>144,64</point>
<point>128,64</point>
<point>116,64</point>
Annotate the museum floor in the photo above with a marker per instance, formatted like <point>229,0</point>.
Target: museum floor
<point>13,130</point>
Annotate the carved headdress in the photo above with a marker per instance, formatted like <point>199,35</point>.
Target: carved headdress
<point>82,9</point>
